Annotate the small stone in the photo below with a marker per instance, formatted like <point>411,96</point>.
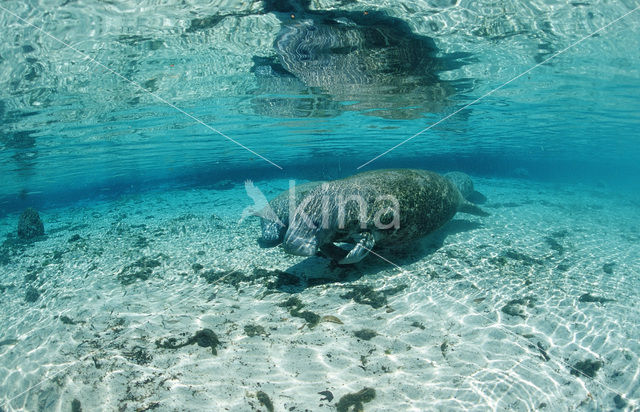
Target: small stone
<point>365,334</point>
<point>30,225</point>
<point>74,238</point>
<point>417,324</point>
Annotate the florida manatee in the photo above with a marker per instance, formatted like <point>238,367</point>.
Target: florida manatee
<point>379,207</point>
<point>373,62</point>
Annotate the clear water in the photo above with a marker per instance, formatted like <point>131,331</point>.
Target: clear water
<point>102,106</point>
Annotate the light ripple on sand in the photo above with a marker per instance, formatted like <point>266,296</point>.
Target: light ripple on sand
<point>446,341</point>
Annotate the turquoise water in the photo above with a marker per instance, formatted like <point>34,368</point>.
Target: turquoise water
<point>132,129</point>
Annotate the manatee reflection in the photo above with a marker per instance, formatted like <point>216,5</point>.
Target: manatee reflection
<point>327,62</point>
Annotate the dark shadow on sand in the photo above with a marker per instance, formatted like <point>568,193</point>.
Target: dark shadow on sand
<point>316,271</point>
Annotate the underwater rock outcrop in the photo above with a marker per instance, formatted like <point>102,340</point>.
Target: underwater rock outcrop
<point>30,225</point>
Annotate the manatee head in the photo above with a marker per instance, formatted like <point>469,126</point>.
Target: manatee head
<point>272,233</point>
<point>305,236</point>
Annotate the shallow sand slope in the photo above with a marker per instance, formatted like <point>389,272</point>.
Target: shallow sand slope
<point>534,307</point>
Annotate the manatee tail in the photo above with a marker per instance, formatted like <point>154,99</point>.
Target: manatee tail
<point>468,207</point>
<point>477,197</point>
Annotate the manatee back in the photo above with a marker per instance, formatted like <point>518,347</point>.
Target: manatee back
<point>425,201</point>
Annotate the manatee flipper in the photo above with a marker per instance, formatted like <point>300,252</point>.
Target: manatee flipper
<point>333,252</point>
<point>360,250</point>
<point>468,207</point>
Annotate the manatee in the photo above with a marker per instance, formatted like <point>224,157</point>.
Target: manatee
<point>374,208</point>
<point>371,60</point>
<point>465,185</point>
<point>273,230</point>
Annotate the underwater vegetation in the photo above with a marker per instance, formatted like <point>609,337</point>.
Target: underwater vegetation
<point>141,269</point>
<point>265,401</point>
<point>295,305</point>
<point>356,400</point>
<point>586,367</point>
<point>205,338</point>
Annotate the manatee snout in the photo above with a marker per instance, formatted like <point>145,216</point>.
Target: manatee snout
<point>272,233</point>
<point>300,243</point>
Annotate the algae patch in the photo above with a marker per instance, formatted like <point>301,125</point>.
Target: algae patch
<point>366,295</point>
<point>138,355</point>
<point>356,400</point>
<point>295,306</point>
<point>588,297</point>
<point>32,294</point>
<point>517,307</point>
<point>205,338</point>
<point>255,330</point>
<point>265,401</point>
<point>231,277</point>
<point>141,269</point>
<point>586,367</point>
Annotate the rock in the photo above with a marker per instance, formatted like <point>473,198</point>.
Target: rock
<point>30,225</point>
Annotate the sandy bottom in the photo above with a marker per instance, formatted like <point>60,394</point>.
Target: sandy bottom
<point>532,308</point>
